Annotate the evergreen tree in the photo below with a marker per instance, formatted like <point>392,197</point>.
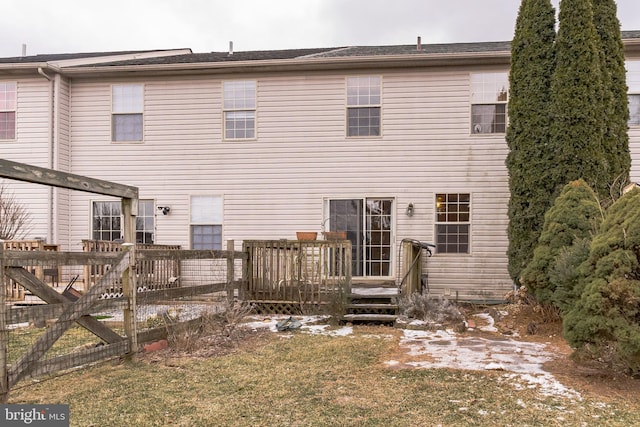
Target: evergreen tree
<point>569,226</point>
<point>577,119</point>
<point>615,101</point>
<point>605,321</point>
<point>532,65</point>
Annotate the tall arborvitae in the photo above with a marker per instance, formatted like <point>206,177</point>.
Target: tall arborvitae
<point>577,117</point>
<point>615,102</point>
<point>532,65</point>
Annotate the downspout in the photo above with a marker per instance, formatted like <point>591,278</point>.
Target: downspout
<point>51,160</point>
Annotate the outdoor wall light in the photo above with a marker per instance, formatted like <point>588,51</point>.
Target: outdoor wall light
<point>164,209</point>
<point>409,210</point>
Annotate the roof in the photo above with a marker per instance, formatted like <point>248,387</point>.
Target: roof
<point>54,57</point>
<point>392,55</point>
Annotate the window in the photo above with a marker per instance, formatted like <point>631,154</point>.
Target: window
<point>7,110</point>
<point>633,81</point>
<point>107,221</point>
<point>240,109</point>
<point>126,108</point>
<point>206,222</point>
<point>452,223</point>
<point>145,222</point>
<point>363,106</point>
<point>489,93</point>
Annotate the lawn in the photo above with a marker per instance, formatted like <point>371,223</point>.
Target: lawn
<point>301,379</point>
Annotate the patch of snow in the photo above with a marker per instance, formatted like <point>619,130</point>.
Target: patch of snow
<point>447,350</point>
<point>547,385</point>
<point>310,324</point>
<point>494,367</point>
<point>18,325</point>
<point>490,327</point>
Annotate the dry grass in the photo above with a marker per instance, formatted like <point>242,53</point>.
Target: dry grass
<point>297,379</point>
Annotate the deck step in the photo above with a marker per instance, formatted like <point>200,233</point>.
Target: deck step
<point>371,296</point>
<point>370,317</point>
<point>373,306</point>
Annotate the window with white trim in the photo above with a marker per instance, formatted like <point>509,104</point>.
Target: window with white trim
<point>453,222</point>
<point>8,92</point>
<point>206,222</point>
<point>239,109</point>
<point>364,106</point>
<point>127,105</point>
<point>633,82</point>
<point>107,221</point>
<point>489,95</point>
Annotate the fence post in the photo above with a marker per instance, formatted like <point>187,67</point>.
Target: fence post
<point>129,291</point>
<point>4,333</point>
<point>231,271</point>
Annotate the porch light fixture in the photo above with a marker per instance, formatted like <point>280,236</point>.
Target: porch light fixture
<point>164,209</point>
<point>409,210</point>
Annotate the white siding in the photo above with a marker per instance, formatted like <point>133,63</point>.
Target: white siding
<point>62,156</point>
<point>31,146</point>
<point>275,185</point>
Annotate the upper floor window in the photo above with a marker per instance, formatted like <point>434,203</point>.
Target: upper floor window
<point>489,94</point>
<point>127,105</point>
<point>633,82</point>
<point>363,106</point>
<point>206,222</point>
<point>107,221</point>
<point>239,109</point>
<point>7,110</point>
<point>453,222</point>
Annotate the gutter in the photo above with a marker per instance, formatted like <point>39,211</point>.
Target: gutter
<point>51,155</point>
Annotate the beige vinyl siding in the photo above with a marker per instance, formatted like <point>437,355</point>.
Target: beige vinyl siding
<point>62,162</point>
<point>31,146</point>
<point>275,185</point>
<point>634,147</point>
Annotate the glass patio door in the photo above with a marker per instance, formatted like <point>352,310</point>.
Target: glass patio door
<point>368,225</point>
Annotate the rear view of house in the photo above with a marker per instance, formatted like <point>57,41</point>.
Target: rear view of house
<point>383,143</point>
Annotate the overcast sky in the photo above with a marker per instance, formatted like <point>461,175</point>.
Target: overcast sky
<point>72,26</point>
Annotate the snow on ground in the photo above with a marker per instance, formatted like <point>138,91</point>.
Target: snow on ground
<point>310,324</point>
<point>490,323</point>
<point>522,361</point>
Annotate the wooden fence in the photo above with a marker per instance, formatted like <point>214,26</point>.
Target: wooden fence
<point>286,276</point>
<point>277,277</point>
<point>62,309</point>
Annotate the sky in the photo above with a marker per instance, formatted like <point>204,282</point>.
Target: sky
<point>74,26</point>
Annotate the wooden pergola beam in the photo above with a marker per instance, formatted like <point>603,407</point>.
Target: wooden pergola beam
<point>38,175</point>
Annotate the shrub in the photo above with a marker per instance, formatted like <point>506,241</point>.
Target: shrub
<point>568,228</point>
<point>605,321</point>
<point>433,310</point>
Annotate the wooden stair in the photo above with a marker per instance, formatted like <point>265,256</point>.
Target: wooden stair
<point>369,304</point>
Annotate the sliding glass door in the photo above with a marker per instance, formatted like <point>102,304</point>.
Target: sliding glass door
<point>368,223</point>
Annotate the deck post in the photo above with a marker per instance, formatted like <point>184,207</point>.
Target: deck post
<point>231,268</point>
<point>129,291</point>
<point>4,332</point>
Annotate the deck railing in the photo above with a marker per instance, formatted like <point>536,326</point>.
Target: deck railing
<point>296,271</point>
<point>151,274</point>
<point>13,290</point>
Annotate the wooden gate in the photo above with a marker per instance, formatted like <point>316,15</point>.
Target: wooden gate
<point>67,309</point>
